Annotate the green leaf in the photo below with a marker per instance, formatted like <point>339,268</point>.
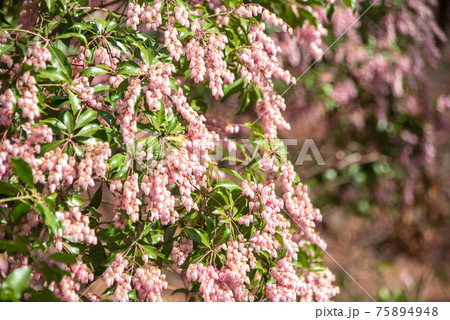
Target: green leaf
<point>232,88</point>
<point>68,121</point>
<point>51,146</point>
<point>4,49</point>
<point>23,170</point>
<point>63,257</point>
<point>19,210</point>
<point>128,68</point>
<point>52,273</point>
<point>223,234</point>
<point>281,254</point>
<point>107,116</point>
<point>18,245</point>
<point>150,251</point>
<point>72,35</point>
<point>14,285</point>
<point>50,219</point>
<point>75,201</point>
<point>86,117</point>
<point>228,185</point>
<point>50,4</point>
<point>97,198</point>
<point>100,88</point>
<point>146,54</point>
<point>209,226</point>
<point>43,295</point>
<point>52,74</point>
<point>63,62</point>
<point>197,235</point>
<point>88,130</point>
<point>116,160</point>
<point>232,172</point>
<point>8,188</point>
<point>111,235</point>
<point>350,3</point>
<point>97,254</point>
<point>74,102</point>
<point>93,71</point>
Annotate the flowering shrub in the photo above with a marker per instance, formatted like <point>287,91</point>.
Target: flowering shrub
<point>106,102</point>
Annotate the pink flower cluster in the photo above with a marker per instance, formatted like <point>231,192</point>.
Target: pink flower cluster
<point>288,286</point>
<point>195,53</point>
<point>7,101</point>
<point>299,206</point>
<point>160,203</point>
<point>29,99</point>
<point>94,164</point>
<point>76,226</point>
<point>60,167</point>
<point>37,57</point>
<point>81,272</point>
<point>260,67</point>
<point>158,86</point>
<point>102,56</point>
<point>253,10</point>
<point>319,286</point>
<point>344,91</point>
<point>126,198</point>
<point>148,14</point>
<point>211,287</point>
<point>180,251</point>
<point>149,283</point>
<point>228,283</point>
<point>116,273</point>
<point>66,290</point>
<point>127,118</point>
<point>86,93</point>
<point>172,43</point>
<point>216,66</point>
<point>25,150</point>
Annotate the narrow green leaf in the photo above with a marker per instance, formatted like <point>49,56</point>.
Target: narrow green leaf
<point>228,185</point>
<point>75,201</point>
<point>86,117</point>
<point>97,198</point>
<point>23,170</point>
<point>18,245</point>
<point>68,121</point>
<point>63,257</point>
<point>93,71</point>
<point>8,188</point>
<point>233,173</point>
<point>52,74</point>
<point>197,235</point>
<point>223,234</point>
<point>16,282</point>
<point>6,48</point>
<point>19,210</point>
<point>62,61</point>
<point>74,102</point>
<point>232,88</point>
<point>150,251</point>
<point>88,130</point>
<point>50,219</point>
<point>51,146</point>
<point>72,35</point>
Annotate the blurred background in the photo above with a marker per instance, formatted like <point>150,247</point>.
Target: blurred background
<point>377,106</point>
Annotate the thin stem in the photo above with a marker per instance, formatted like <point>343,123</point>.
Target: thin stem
<point>16,198</point>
